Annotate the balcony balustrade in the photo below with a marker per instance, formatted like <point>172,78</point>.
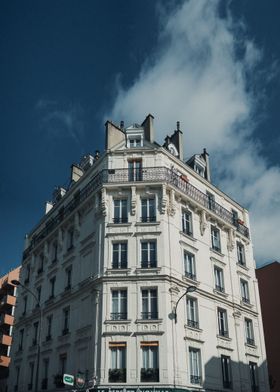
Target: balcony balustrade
<point>121,176</point>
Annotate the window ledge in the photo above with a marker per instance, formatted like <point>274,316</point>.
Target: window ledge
<point>221,293</point>
<point>190,237</point>
<point>112,271</point>
<point>148,321</point>
<point>194,282</point>
<point>109,321</point>
<point>246,304</point>
<point>225,338</point>
<point>242,266</point>
<point>216,252</point>
<point>251,345</point>
<point>151,270</point>
<point>155,223</point>
<point>193,328</point>
<point>119,224</point>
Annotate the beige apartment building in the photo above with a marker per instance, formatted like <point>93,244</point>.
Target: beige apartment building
<point>109,262</point>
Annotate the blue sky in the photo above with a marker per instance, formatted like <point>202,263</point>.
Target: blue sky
<point>68,65</point>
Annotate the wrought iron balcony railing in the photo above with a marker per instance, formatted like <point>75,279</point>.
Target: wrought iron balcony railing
<point>149,315</point>
<point>149,174</point>
<point>195,379</point>
<point>119,316</point>
<point>193,324</point>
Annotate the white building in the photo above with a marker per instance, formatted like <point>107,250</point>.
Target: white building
<point>111,258</point>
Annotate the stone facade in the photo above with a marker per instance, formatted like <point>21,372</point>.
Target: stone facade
<point>111,258</point>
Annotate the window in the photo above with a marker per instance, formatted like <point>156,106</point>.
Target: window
<point>24,306</point>
<point>148,209</point>
<point>195,365</point>
<point>226,371</point>
<point>135,170</point>
<point>70,239</point>
<point>31,373</point>
<point>211,201</point>
<point>222,322</point>
<point>120,211</point>
<point>149,304</point>
<point>189,263</point>
<point>52,287</point>
<point>119,305</point>
<point>119,255</point>
<point>149,254</point>
<point>62,363</point>
<point>234,217</point>
<point>244,291</point>
<point>68,272</point>
<point>150,366</point>
<point>254,376</point>
<point>192,312</point>
<point>240,253</point>
<point>187,222</point>
<point>54,251</point>
<point>117,373</point>
<point>199,169</point>
<point>49,327</point>
<point>39,290</point>
<point>27,274</point>
<point>215,238</point>
<point>20,342</point>
<point>66,316</point>
<point>35,333</point>
<point>134,142</point>
<point>45,373</point>
<point>249,331</point>
<point>41,264</point>
<point>219,279</point>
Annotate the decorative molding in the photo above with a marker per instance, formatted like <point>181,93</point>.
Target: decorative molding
<point>104,202</point>
<point>163,199</point>
<point>203,223</point>
<point>231,240</point>
<point>133,200</point>
<point>172,206</point>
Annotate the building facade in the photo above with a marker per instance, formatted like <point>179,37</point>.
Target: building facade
<point>7,307</point>
<point>269,279</point>
<point>109,262</point>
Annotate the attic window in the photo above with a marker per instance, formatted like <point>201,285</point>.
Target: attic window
<point>199,169</point>
<point>134,142</point>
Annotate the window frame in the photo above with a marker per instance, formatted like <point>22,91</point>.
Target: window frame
<point>226,371</point>
<point>216,240</point>
<point>119,262</point>
<point>120,301</point>
<point>195,366</point>
<point>187,222</point>
<point>149,255</point>
<point>219,279</point>
<point>148,211</point>
<point>149,302</point>
<point>189,265</point>
<point>192,312</point>
<point>222,322</point>
<point>120,210</point>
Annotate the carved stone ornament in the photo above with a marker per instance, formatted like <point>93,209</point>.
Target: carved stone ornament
<point>172,207</point>
<point>231,238</point>
<point>163,199</point>
<point>133,200</point>
<point>203,222</point>
<point>104,202</point>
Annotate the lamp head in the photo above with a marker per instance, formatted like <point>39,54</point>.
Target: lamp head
<point>191,289</point>
<point>15,282</point>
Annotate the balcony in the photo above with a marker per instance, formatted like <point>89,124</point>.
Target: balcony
<point>117,375</point>
<point>149,175</point>
<point>6,319</point>
<point>5,339</point>
<point>4,361</point>
<point>149,375</point>
<point>118,316</point>
<point>7,301</point>
<point>148,219</point>
<point>120,220</point>
<point>195,379</point>
<point>193,324</point>
<point>149,315</point>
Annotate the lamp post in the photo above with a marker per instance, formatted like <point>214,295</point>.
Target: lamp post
<point>17,283</point>
<point>190,289</point>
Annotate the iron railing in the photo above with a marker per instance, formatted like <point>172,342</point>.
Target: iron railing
<point>150,174</point>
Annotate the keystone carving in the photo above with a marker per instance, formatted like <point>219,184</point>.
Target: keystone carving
<point>163,199</point>
<point>172,207</point>
<point>203,223</point>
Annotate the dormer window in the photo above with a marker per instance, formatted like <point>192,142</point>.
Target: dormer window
<point>199,169</point>
<point>134,142</point>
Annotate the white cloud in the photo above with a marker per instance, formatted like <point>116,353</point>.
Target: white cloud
<point>60,121</point>
<point>203,74</point>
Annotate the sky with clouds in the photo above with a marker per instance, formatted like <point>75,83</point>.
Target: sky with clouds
<point>66,67</point>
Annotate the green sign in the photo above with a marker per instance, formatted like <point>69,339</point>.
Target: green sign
<point>68,379</point>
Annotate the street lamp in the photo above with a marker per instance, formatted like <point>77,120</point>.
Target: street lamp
<point>190,289</point>
<point>17,283</point>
